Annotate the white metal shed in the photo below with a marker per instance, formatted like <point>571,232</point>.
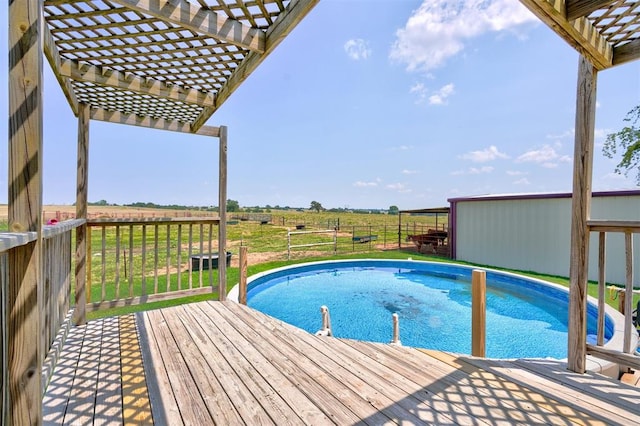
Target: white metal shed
<point>532,232</point>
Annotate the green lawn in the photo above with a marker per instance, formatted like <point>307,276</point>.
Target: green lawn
<point>233,274</point>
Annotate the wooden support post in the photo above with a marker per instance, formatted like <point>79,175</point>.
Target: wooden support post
<point>222,228</point>
<point>478,312</point>
<point>242,285</point>
<point>621,301</point>
<point>602,238</point>
<point>25,289</point>
<point>399,230</point>
<point>628,303</point>
<point>82,186</point>
<point>580,213</point>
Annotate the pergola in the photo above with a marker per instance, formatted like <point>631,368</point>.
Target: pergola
<point>170,64</point>
<point>161,64</point>
<point>606,33</point>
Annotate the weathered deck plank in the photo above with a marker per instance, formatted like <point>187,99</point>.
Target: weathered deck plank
<point>309,378</point>
<point>269,384</point>
<point>108,404</point>
<point>192,406</point>
<point>223,363</point>
<point>380,389</point>
<point>217,364</point>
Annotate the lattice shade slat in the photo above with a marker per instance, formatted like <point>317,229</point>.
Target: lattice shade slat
<point>188,56</point>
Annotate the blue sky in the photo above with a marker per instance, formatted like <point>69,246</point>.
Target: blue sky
<point>366,104</point>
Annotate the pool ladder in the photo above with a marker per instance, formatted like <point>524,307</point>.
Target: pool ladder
<point>326,326</point>
<point>326,322</point>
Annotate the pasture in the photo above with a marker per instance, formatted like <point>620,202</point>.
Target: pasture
<point>266,240</point>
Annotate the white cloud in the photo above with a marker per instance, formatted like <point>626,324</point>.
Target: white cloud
<point>400,187</point>
<point>602,133</point>
<point>488,154</point>
<point>362,184</point>
<point>420,91</point>
<point>438,29</point>
<point>441,95</point>
<point>523,181</point>
<point>357,49</point>
<point>516,173</point>
<point>541,155</point>
<point>410,172</point>
<point>403,148</point>
<point>483,169</point>
<point>569,134</point>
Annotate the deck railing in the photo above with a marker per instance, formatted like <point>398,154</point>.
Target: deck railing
<point>627,355</point>
<point>55,311</point>
<point>134,261</point>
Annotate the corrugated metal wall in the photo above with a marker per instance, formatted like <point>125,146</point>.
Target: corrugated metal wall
<point>534,234</point>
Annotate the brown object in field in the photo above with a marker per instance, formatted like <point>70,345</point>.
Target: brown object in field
<point>433,238</point>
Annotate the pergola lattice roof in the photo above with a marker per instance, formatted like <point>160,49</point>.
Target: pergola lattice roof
<point>171,63</point>
<point>161,63</point>
<point>607,32</point>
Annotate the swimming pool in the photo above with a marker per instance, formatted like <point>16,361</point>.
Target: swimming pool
<point>525,317</point>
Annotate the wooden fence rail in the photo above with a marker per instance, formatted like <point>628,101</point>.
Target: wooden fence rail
<point>133,261</point>
<point>626,356</point>
<point>56,295</point>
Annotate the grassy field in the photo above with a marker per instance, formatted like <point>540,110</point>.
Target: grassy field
<point>267,245</point>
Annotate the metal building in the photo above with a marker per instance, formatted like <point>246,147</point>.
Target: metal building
<point>532,232</point>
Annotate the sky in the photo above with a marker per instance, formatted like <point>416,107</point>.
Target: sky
<point>366,104</point>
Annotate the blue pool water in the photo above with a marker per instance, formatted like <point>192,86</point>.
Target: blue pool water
<point>525,318</point>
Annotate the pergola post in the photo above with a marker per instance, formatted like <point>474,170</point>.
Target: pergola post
<point>24,293</point>
<point>580,214</point>
<point>82,186</point>
<point>222,227</point>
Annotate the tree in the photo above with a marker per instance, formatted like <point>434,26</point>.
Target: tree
<point>316,206</point>
<point>233,206</point>
<point>627,141</point>
<point>393,210</point>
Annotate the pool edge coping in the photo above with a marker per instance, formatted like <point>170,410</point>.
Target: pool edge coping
<point>594,364</point>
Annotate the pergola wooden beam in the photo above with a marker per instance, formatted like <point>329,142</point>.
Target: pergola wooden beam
<point>52,54</point>
<point>146,86</point>
<point>117,117</point>
<point>579,32</point>
<point>200,20</point>
<point>295,12</point>
<point>582,8</point>
<point>627,52</point>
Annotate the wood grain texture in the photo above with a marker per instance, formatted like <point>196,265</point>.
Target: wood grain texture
<point>222,203</point>
<point>478,312</point>
<point>82,191</point>
<point>579,32</point>
<point>295,12</point>
<point>200,20</point>
<point>580,214</point>
<point>225,363</point>
<point>242,283</point>
<point>24,295</point>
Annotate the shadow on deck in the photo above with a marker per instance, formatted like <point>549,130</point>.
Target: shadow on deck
<point>223,363</point>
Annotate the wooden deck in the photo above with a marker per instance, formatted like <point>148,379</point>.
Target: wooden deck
<point>223,363</point>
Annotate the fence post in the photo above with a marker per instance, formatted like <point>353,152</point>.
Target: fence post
<point>242,285</point>
<point>478,312</point>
